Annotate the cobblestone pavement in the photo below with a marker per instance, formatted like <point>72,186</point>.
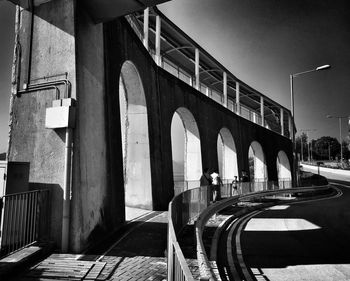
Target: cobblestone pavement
<point>141,254</point>
<point>138,255</point>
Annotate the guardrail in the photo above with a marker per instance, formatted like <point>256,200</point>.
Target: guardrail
<point>205,268</point>
<point>186,207</point>
<point>24,219</point>
<point>258,184</point>
<point>172,67</point>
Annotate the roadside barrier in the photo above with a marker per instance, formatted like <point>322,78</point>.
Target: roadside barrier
<point>197,206</point>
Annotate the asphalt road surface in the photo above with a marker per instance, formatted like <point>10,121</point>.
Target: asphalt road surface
<point>303,241</point>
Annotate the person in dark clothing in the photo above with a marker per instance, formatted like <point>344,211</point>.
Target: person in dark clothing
<point>244,177</point>
<point>206,179</point>
<point>234,186</point>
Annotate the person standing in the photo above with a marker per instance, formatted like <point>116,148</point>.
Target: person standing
<point>217,183</point>
<point>205,179</point>
<point>234,186</point>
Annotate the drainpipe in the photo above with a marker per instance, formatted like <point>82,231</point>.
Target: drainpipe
<point>66,190</point>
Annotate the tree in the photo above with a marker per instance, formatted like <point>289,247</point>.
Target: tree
<point>326,147</point>
<point>346,149</point>
<point>302,140</point>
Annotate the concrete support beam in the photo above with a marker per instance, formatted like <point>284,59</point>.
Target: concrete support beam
<point>145,27</point>
<point>238,106</point>
<point>262,111</point>
<point>62,46</point>
<point>158,32</point>
<point>224,85</point>
<point>103,10</point>
<point>282,122</point>
<point>197,69</point>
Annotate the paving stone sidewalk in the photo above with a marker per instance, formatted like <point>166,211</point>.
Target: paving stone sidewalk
<point>138,255</point>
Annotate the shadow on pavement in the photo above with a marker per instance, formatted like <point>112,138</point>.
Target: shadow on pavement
<point>327,243</point>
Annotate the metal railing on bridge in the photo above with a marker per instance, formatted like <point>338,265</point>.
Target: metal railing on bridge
<point>24,219</point>
<point>242,187</point>
<point>275,113</point>
<point>188,205</point>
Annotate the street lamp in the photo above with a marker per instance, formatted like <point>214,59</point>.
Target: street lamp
<point>340,140</point>
<point>292,76</point>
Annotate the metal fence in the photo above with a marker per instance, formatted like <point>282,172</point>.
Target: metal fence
<point>24,219</point>
<point>241,187</point>
<point>188,204</point>
<point>244,110</point>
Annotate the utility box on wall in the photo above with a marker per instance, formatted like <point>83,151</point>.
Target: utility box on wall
<point>61,114</point>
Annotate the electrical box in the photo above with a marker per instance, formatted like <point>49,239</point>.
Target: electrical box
<point>61,114</point>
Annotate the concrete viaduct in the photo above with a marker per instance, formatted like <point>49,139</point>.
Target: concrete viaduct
<point>95,88</point>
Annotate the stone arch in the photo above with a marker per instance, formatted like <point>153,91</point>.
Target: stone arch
<point>135,138</point>
<point>192,158</point>
<point>283,167</point>
<point>227,155</point>
<point>258,169</point>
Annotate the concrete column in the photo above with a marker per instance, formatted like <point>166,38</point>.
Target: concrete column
<point>158,31</point>
<point>238,106</point>
<point>282,122</point>
<point>145,27</point>
<point>254,117</point>
<point>225,88</point>
<point>61,45</point>
<point>207,91</point>
<point>262,111</point>
<point>290,126</point>
<point>197,69</point>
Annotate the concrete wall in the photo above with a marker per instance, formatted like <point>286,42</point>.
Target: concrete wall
<point>64,41</point>
<point>48,48</point>
<point>92,206</point>
<point>329,173</point>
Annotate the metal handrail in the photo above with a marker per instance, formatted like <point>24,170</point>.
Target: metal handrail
<point>243,110</point>
<point>24,219</point>
<point>177,266</point>
<point>194,204</point>
<point>205,268</point>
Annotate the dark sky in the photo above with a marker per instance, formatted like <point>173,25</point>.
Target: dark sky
<point>7,21</point>
<point>262,43</point>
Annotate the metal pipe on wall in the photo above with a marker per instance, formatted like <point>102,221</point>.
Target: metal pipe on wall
<point>68,156</point>
<point>66,190</point>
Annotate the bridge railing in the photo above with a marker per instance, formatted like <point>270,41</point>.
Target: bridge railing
<point>241,109</point>
<point>24,219</point>
<point>187,206</point>
<point>205,267</point>
<point>241,187</point>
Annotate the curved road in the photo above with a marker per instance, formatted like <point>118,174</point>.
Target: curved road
<point>299,241</point>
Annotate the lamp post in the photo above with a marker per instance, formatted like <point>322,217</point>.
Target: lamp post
<point>292,76</point>
<point>340,137</point>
